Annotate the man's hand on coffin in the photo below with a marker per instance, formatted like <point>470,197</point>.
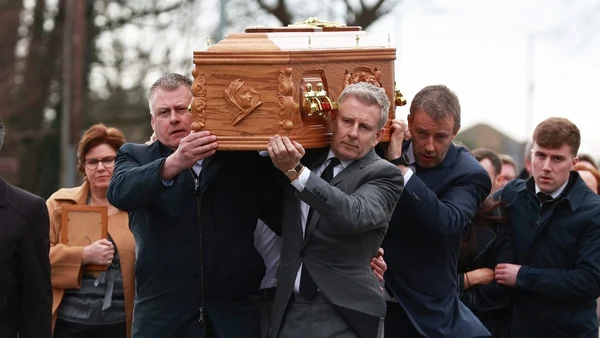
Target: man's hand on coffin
<point>398,136</point>
<point>192,148</point>
<point>284,153</point>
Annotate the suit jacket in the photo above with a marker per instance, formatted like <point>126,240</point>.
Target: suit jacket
<point>423,243</point>
<point>557,245</point>
<point>195,244</point>
<point>350,218</point>
<point>66,260</point>
<point>25,289</point>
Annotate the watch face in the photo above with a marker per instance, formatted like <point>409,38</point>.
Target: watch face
<point>292,174</point>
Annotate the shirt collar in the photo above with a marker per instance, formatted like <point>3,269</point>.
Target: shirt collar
<point>556,192</point>
<point>331,154</point>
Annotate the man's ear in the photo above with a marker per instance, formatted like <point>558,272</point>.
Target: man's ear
<point>378,136</point>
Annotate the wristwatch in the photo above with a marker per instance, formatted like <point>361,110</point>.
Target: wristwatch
<point>293,173</point>
<point>403,160</point>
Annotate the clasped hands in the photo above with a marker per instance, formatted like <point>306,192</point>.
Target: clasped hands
<point>504,274</point>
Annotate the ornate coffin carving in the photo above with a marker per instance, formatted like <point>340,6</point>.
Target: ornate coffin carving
<point>266,81</point>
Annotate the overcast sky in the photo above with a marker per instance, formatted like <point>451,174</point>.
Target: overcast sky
<point>479,49</point>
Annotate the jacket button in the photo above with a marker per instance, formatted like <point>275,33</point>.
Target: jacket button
<point>302,253</point>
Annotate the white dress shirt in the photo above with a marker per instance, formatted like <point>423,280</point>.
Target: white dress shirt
<point>299,184</point>
<point>268,244</point>
<point>556,192</point>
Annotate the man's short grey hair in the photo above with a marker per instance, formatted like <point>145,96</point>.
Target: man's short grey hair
<point>168,82</point>
<point>368,94</point>
<point>1,134</point>
<point>439,102</point>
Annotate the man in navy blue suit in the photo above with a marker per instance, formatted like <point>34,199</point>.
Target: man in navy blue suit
<point>444,186</point>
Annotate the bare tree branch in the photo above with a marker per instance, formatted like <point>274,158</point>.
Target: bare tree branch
<point>349,9</point>
<point>280,11</point>
<point>143,13</point>
<point>369,15</point>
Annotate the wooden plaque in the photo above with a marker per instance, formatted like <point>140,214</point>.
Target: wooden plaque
<point>82,225</point>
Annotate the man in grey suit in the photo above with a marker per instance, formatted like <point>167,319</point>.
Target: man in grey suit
<point>336,213</point>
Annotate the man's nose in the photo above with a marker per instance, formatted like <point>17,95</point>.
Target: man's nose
<point>546,166</point>
<point>353,131</point>
<point>429,145</point>
<point>174,117</point>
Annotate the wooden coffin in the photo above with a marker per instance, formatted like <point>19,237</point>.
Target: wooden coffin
<point>267,81</point>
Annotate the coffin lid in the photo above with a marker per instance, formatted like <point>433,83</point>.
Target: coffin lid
<point>312,34</point>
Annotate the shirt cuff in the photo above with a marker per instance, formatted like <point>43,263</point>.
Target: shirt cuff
<point>300,182</point>
<point>167,183</point>
<point>408,175</point>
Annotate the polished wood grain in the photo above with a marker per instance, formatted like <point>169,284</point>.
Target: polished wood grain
<point>279,78</point>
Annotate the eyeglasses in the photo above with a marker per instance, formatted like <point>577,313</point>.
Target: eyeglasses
<point>107,162</point>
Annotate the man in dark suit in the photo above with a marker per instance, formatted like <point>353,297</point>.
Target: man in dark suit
<point>444,186</point>
<point>25,287</point>
<point>555,221</point>
<point>337,209</point>
<point>193,212</point>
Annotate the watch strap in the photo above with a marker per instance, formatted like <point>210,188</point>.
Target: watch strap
<point>402,160</point>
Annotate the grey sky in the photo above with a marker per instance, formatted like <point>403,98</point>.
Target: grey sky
<point>479,49</point>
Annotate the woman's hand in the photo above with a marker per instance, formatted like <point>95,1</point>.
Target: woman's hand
<point>101,252</point>
<point>478,277</point>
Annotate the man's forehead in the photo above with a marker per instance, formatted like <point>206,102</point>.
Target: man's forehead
<point>435,129</point>
<point>171,97</point>
<point>562,150</point>
<point>424,121</point>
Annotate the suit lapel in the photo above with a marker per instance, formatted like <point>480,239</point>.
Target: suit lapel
<point>350,170</point>
<point>433,176</point>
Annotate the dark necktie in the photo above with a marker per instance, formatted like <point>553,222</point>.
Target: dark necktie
<point>308,287</point>
<point>543,197</point>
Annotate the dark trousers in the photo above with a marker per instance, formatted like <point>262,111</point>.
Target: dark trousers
<point>267,296</point>
<point>314,318</point>
<point>65,329</point>
<point>235,320</point>
<point>397,323</point>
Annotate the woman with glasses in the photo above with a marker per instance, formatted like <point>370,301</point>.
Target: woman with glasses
<point>90,303</point>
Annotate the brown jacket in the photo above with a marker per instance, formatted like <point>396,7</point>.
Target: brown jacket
<point>66,260</point>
